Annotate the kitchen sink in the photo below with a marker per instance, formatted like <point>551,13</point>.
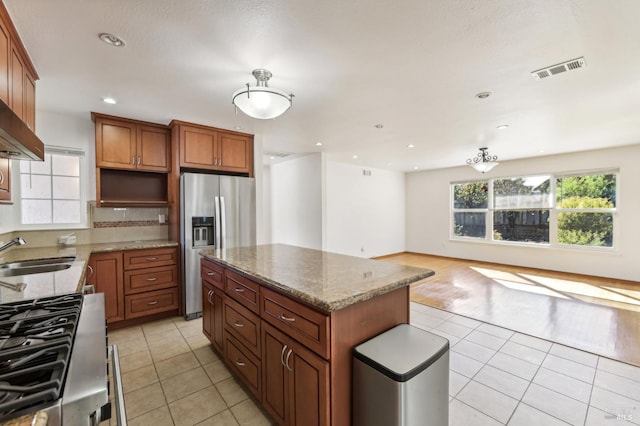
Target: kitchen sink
<point>37,266</point>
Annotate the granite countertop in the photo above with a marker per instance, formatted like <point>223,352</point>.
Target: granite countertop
<point>68,280</point>
<point>327,281</point>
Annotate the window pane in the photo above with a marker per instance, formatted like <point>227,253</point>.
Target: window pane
<point>469,225</point>
<point>64,165</point>
<point>42,167</point>
<point>66,188</point>
<point>471,195</point>
<point>531,226</point>
<point>581,192</point>
<point>585,229</point>
<point>36,211</point>
<point>66,211</point>
<point>35,186</point>
<point>522,193</point>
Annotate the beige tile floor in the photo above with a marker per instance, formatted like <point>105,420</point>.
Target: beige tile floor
<point>171,376</point>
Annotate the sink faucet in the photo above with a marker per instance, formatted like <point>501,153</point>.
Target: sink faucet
<point>16,241</point>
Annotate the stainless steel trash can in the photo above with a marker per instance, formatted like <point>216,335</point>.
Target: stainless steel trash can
<point>401,377</point>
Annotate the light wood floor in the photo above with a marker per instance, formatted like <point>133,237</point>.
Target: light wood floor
<point>595,314</point>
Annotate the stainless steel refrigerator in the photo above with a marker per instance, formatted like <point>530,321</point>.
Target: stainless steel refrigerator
<point>216,212</point>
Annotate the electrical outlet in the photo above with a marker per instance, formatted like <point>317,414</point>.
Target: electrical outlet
<point>161,218</point>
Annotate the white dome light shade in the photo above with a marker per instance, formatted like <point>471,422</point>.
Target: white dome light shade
<point>261,101</point>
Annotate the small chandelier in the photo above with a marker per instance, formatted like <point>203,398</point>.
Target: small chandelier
<point>261,101</point>
<point>483,162</point>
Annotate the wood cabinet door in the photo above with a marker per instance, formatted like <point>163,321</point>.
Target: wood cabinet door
<point>153,150</point>
<point>207,310</point>
<point>5,180</point>
<point>107,279</point>
<point>217,319</point>
<point>235,153</point>
<point>115,144</point>
<point>275,385</point>
<point>198,148</point>
<point>308,386</point>
<point>5,61</point>
<point>16,83</point>
<point>29,115</point>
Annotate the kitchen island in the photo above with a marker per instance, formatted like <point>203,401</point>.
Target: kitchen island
<point>285,320</point>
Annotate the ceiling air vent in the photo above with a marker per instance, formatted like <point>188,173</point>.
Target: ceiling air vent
<point>571,65</point>
<point>276,154</point>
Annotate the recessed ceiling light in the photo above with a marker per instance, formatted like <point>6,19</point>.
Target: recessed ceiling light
<point>415,167</point>
<point>272,158</point>
<point>110,101</point>
<point>388,164</point>
<point>318,143</point>
<point>379,126</point>
<point>410,145</point>
<point>112,40</point>
<point>354,157</point>
<point>541,151</point>
<point>502,127</point>
<point>483,95</point>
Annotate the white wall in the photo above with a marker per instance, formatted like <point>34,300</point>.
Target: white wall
<point>428,216</point>
<point>365,215</point>
<point>296,202</point>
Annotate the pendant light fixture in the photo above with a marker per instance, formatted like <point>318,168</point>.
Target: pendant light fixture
<point>261,101</point>
<point>483,162</point>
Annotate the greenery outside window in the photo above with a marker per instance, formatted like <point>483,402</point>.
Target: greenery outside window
<point>586,206</point>
<point>570,210</point>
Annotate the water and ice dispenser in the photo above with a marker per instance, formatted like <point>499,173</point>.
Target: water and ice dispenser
<point>203,231</point>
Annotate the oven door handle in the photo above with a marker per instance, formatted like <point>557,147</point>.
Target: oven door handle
<point>117,386</point>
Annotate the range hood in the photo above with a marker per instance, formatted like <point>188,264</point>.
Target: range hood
<point>17,140</point>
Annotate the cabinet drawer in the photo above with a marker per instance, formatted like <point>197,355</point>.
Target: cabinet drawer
<point>137,259</point>
<point>244,364</point>
<point>212,273</point>
<point>243,290</point>
<point>142,280</point>
<point>304,324</point>
<point>243,324</point>
<point>151,302</point>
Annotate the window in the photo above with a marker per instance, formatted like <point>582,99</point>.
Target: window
<point>470,202</point>
<point>570,210</point>
<point>50,190</point>
<point>585,209</point>
<point>521,209</point>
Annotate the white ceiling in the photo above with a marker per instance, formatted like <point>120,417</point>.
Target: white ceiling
<point>412,65</point>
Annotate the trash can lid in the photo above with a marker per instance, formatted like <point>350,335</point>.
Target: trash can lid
<point>402,352</point>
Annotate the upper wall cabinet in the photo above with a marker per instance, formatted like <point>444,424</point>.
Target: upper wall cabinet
<point>131,145</point>
<point>17,74</point>
<point>203,147</point>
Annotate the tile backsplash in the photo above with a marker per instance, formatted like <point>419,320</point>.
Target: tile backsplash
<point>106,225</point>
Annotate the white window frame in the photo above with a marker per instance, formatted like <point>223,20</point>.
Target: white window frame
<point>553,212</point>
<point>16,177</point>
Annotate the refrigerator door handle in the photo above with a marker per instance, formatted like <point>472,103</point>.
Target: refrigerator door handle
<point>216,202</point>
<point>223,223</point>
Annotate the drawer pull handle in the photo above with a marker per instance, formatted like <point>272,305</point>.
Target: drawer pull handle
<point>151,259</point>
<point>239,290</point>
<point>210,273</point>
<point>240,363</point>
<point>152,279</point>
<point>286,318</point>
<point>155,302</point>
<point>238,324</point>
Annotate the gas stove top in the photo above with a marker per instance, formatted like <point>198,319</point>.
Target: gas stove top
<point>36,340</point>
